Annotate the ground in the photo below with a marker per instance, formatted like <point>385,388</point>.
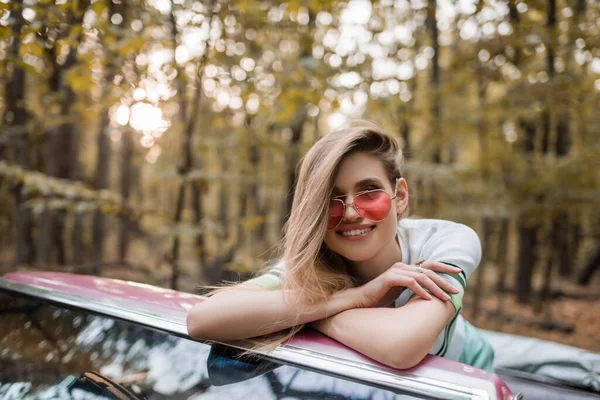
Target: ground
<point>583,315</point>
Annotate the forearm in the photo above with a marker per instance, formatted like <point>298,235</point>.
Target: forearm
<point>240,314</point>
<point>397,337</point>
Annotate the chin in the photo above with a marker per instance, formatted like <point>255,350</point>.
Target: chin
<point>353,254</point>
<point>358,257</point>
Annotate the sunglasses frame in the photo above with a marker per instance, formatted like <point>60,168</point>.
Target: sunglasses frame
<point>357,194</point>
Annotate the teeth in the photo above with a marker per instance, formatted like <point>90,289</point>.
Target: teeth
<point>355,232</point>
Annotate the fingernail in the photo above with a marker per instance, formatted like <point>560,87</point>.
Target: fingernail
<point>455,290</point>
<point>428,297</point>
<point>447,297</point>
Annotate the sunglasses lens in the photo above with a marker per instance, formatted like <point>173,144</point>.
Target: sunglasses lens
<point>336,213</point>
<point>374,205</point>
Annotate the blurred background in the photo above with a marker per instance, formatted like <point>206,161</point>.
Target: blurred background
<point>157,140</point>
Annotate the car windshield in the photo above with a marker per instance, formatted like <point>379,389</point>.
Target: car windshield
<point>44,349</point>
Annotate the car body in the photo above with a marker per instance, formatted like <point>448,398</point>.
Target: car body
<point>310,365</point>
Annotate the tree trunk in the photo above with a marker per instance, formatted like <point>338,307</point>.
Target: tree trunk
<point>435,132</point>
<point>223,216</point>
<point>58,240</point>
<point>198,210</point>
<point>501,259</point>
<point>550,261</point>
<point>297,128</point>
<point>100,183</point>
<point>78,245</point>
<point>515,21</point>
<point>405,134</point>
<point>175,272</point>
<point>15,116</point>
<point>502,255</point>
<point>103,144</point>
<point>561,252</point>
<point>574,240</point>
<point>590,268</point>
<point>527,230</point>
<point>487,223</point>
<point>62,151</point>
<point>258,235</point>
<point>526,262</point>
<point>187,159</point>
<point>46,244</point>
<point>125,190</point>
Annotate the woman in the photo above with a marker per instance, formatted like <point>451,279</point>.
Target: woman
<point>354,268</point>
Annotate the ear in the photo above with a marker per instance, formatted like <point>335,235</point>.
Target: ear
<point>401,196</point>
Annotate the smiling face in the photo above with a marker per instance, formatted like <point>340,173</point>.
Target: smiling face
<point>356,237</point>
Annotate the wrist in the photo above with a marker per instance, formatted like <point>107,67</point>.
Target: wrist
<point>342,301</point>
<point>352,297</point>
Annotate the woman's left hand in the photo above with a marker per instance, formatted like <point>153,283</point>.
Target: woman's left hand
<point>384,289</point>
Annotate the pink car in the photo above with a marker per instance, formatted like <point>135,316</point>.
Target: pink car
<point>57,327</point>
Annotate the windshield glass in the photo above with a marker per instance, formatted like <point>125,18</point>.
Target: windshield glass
<point>45,349</point>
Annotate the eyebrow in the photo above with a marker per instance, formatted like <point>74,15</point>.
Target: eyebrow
<point>359,184</point>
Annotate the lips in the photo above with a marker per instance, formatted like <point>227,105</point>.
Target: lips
<point>347,228</point>
<point>358,234</point>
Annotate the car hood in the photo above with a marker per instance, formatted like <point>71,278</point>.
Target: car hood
<point>166,310</point>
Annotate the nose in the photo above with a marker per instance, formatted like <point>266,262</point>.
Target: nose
<point>351,214</point>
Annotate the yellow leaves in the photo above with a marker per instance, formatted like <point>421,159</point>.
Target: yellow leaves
<point>75,33</point>
<point>109,40</point>
<point>19,178</point>
<point>80,79</point>
<point>315,5</point>
<point>297,76</point>
<point>5,32</point>
<point>246,6</point>
<point>31,48</point>
<point>536,15</point>
<point>132,44</point>
<point>99,7</point>
<point>109,209</point>
<point>285,113</point>
<point>289,101</point>
<point>335,104</point>
<point>324,5</point>
<point>293,6</point>
<point>252,223</point>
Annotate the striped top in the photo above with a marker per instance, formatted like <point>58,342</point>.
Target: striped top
<point>443,241</point>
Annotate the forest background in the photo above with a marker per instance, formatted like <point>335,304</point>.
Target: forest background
<point>157,140</point>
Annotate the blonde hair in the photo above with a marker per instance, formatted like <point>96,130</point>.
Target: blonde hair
<point>312,270</point>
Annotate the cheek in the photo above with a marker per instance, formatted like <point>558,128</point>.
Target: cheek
<point>389,226</point>
<point>329,237</point>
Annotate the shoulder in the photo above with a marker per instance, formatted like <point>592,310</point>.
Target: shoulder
<point>271,276</point>
<point>444,241</point>
<point>427,229</point>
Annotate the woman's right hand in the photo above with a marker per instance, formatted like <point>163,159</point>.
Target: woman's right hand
<point>385,289</point>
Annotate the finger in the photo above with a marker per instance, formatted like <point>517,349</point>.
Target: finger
<point>401,266</point>
<point>441,282</point>
<point>440,267</point>
<point>428,283</point>
<point>412,284</point>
